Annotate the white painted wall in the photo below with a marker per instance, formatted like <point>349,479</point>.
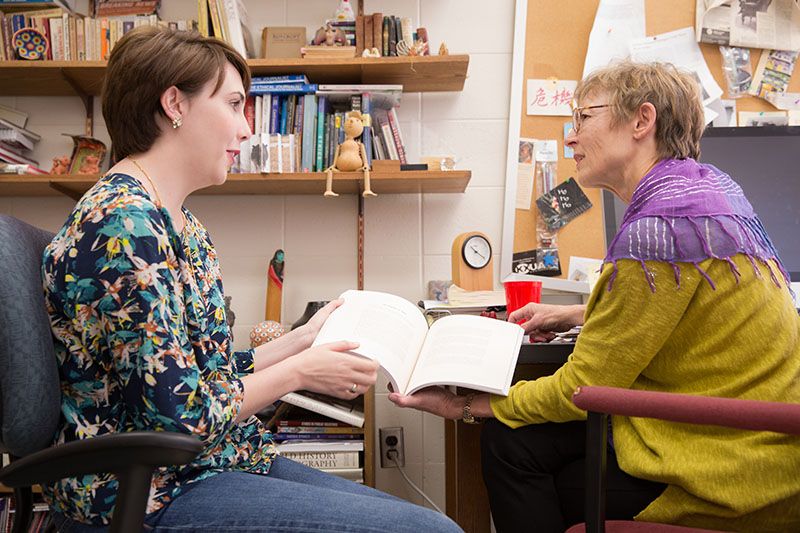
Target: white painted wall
<point>408,237</point>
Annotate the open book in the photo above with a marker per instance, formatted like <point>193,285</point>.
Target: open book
<point>468,351</point>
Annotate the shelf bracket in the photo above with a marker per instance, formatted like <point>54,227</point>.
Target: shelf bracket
<point>88,103</point>
<point>360,229</point>
<point>63,190</point>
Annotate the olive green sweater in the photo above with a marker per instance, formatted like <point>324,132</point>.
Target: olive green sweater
<point>740,340</point>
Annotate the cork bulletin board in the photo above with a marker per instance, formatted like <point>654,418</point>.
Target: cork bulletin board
<point>550,41</point>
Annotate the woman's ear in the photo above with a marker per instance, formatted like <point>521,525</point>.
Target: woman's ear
<point>172,102</point>
<point>645,121</point>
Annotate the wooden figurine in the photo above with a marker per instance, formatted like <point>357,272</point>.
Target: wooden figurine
<point>351,155</point>
<point>275,287</point>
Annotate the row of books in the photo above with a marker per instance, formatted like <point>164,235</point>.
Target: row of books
<point>303,123</point>
<point>384,32</point>
<point>73,37</point>
<point>41,520</point>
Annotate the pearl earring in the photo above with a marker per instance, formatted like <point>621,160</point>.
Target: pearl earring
<point>177,122</point>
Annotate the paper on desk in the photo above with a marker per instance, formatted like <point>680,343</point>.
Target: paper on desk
<point>679,48</point>
<point>616,24</point>
<point>459,297</point>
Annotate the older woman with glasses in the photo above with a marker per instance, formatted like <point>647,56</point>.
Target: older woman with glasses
<point>691,287</point>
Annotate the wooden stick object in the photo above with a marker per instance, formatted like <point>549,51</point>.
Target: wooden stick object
<point>275,287</point>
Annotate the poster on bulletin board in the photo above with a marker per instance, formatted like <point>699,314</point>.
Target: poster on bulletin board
<point>550,49</point>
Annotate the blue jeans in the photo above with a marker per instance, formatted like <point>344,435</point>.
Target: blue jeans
<point>292,498</point>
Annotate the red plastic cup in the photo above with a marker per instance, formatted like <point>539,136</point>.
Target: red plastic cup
<point>520,293</point>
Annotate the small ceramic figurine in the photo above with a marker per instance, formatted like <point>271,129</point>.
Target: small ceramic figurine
<point>371,52</point>
<point>90,165</point>
<point>350,155</point>
<point>443,51</point>
<point>275,286</point>
<point>329,36</point>
<point>60,165</point>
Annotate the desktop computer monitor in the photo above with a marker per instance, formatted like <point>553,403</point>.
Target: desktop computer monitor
<point>765,162</point>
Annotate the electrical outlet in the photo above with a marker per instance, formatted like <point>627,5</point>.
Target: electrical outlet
<point>391,441</point>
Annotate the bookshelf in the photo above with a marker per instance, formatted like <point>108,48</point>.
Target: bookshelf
<point>417,181</point>
<point>85,78</point>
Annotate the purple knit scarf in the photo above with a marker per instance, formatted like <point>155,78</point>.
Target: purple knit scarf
<point>686,212</point>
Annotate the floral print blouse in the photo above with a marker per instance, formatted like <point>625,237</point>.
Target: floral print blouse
<point>144,345</point>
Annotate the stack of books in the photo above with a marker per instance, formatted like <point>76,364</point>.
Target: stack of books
<point>16,143</point>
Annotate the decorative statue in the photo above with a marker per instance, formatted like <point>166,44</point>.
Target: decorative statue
<point>350,155</point>
<point>329,36</point>
<point>90,165</point>
<point>60,165</point>
<point>275,286</point>
<point>443,51</point>
<point>230,316</point>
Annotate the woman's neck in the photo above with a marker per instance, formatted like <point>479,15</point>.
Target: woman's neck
<point>634,172</point>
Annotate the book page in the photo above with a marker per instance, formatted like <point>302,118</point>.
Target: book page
<point>468,351</point>
<point>390,330</point>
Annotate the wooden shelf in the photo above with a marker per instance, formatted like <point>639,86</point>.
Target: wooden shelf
<point>301,183</point>
<point>416,74</point>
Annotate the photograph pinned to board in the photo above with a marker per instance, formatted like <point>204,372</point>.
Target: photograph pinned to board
<point>749,23</point>
<point>551,97</point>
<point>773,73</point>
<point>540,261</point>
<point>525,169</point>
<point>568,152</point>
<point>562,204</point>
<point>763,118</point>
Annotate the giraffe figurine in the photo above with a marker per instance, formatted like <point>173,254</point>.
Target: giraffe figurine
<point>350,155</point>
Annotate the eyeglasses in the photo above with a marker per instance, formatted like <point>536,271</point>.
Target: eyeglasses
<point>578,118</point>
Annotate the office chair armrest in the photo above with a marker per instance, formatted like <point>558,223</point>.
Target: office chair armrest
<point>692,409</point>
<point>115,453</point>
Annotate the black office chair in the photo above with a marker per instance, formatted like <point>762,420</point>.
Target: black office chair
<point>31,400</point>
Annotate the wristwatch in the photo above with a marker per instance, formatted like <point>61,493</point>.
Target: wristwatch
<point>466,413</point>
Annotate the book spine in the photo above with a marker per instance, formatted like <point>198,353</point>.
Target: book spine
<point>386,131</point>
<point>394,125</point>
<point>283,89</point>
<point>368,32</point>
<point>284,113</point>
<point>280,80</point>
<point>331,411</point>
<point>250,112</point>
<point>321,105</point>
<point>353,474</point>
<point>323,430</point>
<point>309,133</point>
<point>312,423</point>
<point>385,36</point>
<point>325,459</point>
<point>274,114</point>
<point>366,136</point>
<point>359,35</point>
<point>317,436</point>
<point>377,31</point>
<point>393,35</point>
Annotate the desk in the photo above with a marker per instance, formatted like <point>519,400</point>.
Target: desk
<point>467,502</point>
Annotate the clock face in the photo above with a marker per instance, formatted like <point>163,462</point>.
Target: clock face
<point>477,251</point>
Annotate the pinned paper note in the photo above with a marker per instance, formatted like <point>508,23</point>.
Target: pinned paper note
<point>550,97</point>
